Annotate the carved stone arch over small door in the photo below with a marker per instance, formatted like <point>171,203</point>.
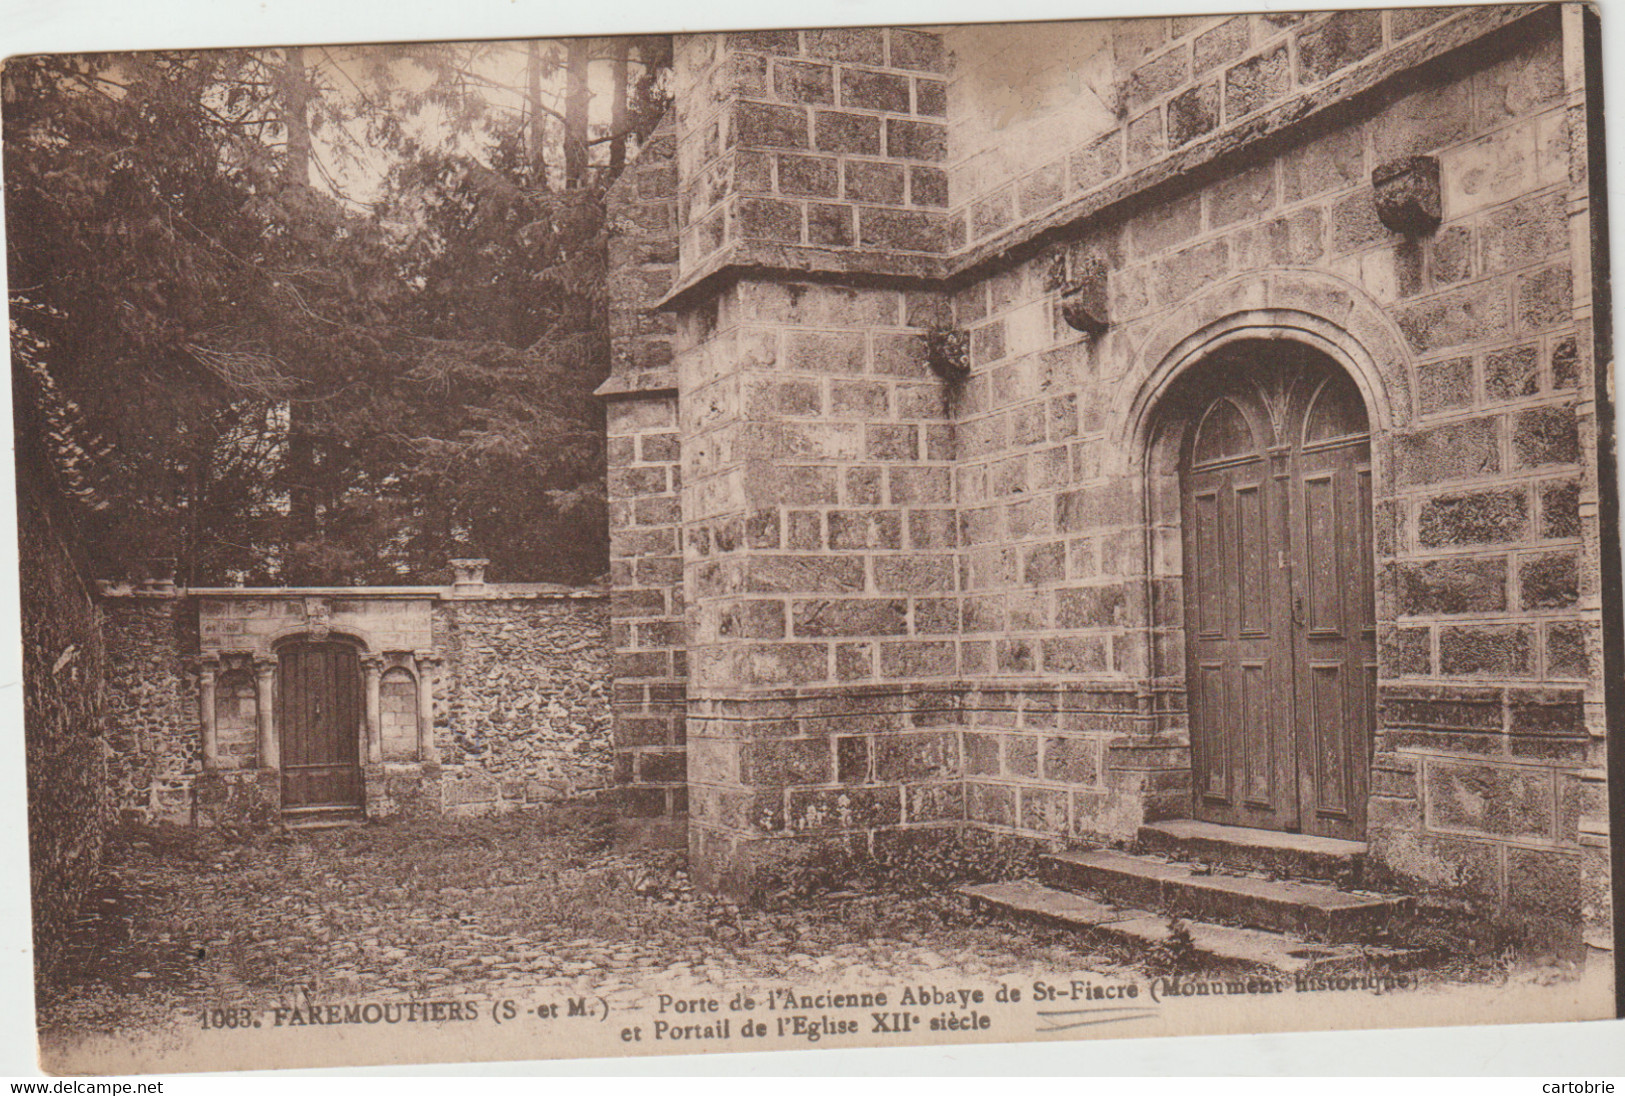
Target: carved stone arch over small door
<point>1280,629</point>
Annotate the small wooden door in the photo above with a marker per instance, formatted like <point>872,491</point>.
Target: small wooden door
<point>319,718</point>
<point>1279,607</point>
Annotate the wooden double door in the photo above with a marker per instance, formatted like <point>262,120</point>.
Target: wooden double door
<point>1280,625</point>
<point>319,717</point>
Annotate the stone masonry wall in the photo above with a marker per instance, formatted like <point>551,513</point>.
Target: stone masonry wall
<point>1489,612</point>
<point>651,661</point>
<point>821,572</point>
<point>812,149</point>
<point>522,701</point>
<point>64,719</point>
<point>1007,545</point>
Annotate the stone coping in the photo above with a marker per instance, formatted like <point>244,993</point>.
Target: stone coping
<point>489,591</point>
<point>1278,124</point>
<point>639,383</point>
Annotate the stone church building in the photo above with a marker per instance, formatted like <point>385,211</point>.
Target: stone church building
<point>1060,430</point>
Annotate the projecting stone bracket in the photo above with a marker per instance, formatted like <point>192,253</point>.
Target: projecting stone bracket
<point>1406,192</point>
<point>947,351</point>
<point>1084,300</point>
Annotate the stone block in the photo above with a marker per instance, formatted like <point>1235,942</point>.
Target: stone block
<point>1097,162</point>
<point>762,619</point>
<point>804,575</point>
<point>912,757</point>
<point>918,50</point>
<point>1545,298</point>
<point>1512,373</point>
<point>852,760</point>
<point>992,804</point>
<point>930,98</point>
<point>1458,318</point>
<point>1192,114</point>
<point>1547,712</point>
<point>863,45</point>
<point>1333,162</point>
<point>809,176</point>
<point>1525,232</point>
<point>867,90</point>
<point>1545,435</point>
<point>1156,78</point>
<point>1549,581</point>
<point>981,754</point>
<point>1044,810</point>
<point>800,82</point>
<point>1492,649</point>
<point>1221,45</point>
<point>850,617</point>
<point>928,186</point>
<point>1144,137</point>
<point>1477,517</point>
<point>1456,450</point>
<point>1246,195</point>
<point>1545,883</point>
<point>783,762</point>
<point>860,808</point>
<point>1072,760</point>
<point>1074,654</point>
<point>830,225</point>
<point>1560,509</point>
<point>1454,585</point>
<point>901,229</point>
<point>909,659</point>
<point>839,131</point>
<point>763,125</point>
<point>867,181</point>
<point>1337,42</point>
<point>1443,385</point>
<point>1256,82</point>
<point>907,140</point>
<point>1566,654</point>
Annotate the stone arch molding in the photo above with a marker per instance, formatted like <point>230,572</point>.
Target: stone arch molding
<point>1317,309</point>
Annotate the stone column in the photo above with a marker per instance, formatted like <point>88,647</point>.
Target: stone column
<point>264,676</point>
<point>208,673</point>
<point>428,667</point>
<point>372,669</point>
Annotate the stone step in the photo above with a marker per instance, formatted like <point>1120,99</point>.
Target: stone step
<point>1312,910</point>
<point>1290,855</point>
<point>322,818</point>
<point>1064,909</point>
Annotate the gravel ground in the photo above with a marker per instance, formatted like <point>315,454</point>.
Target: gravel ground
<point>191,919</point>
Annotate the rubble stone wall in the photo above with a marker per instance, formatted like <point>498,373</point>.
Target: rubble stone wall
<point>521,698</point>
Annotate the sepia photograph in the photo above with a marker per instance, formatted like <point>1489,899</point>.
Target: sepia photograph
<point>813,538</point>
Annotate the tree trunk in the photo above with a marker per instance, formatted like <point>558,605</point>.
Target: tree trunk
<point>575,114</point>
<point>301,466</point>
<point>617,119</point>
<point>536,132</point>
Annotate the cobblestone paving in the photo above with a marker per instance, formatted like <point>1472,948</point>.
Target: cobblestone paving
<point>494,908</point>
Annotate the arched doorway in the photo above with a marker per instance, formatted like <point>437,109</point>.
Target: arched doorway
<point>1278,591</point>
<point>319,720</point>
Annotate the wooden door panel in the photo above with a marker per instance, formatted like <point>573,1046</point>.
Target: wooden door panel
<point>1280,624</point>
<point>319,716</point>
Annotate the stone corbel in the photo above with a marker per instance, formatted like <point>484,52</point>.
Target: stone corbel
<point>1084,302</point>
<point>1406,192</point>
<point>947,352</point>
